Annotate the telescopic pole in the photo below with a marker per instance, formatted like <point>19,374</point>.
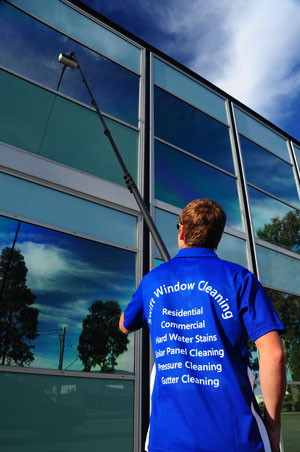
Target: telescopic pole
<point>71,61</point>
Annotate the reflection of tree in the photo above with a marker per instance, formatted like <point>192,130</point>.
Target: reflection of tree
<point>18,320</point>
<point>253,358</point>
<point>284,232</point>
<point>288,308</point>
<point>101,341</point>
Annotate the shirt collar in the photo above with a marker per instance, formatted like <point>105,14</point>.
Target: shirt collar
<point>196,252</point>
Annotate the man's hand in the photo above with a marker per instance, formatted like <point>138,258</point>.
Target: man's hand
<point>272,382</point>
<point>122,327</point>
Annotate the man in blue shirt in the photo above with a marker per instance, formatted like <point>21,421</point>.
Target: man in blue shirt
<point>200,310</point>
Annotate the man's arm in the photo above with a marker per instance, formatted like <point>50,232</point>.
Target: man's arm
<point>122,327</point>
<point>273,383</point>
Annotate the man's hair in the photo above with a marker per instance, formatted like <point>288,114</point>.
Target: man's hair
<point>203,221</point>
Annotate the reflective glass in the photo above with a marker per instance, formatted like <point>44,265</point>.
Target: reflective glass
<point>68,295</point>
<point>268,172</point>
<point>43,413</point>
<point>274,221</point>
<point>278,270</point>
<point>88,32</point>
<point>233,249</point>
<point>68,212</point>
<point>186,127</point>
<point>288,308</point>
<point>189,90</point>
<point>261,134</point>
<point>24,39</point>
<point>166,225</point>
<point>290,419</point>
<point>40,122</point>
<point>297,152</point>
<point>8,230</point>
<point>179,179</point>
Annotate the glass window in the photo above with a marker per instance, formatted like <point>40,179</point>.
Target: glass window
<point>24,39</point>
<point>230,248</point>
<point>268,172</point>
<point>233,249</point>
<point>61,300</point>
<point>261,134</point>
<point>278,270</point>
<point>56,128</point>
<point>288,308</point>
<point>274,221</point>
<point>55,208</point>
<point>66,19</point>
<point>179,179</point>
<point>43,413</point>
<point>186,127</point>
<point>189,90</point>
<point>290,418</point>
<point>166,225</point>
<point>297,152</point>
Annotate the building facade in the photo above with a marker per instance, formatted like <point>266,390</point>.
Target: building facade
<point>73,242</point>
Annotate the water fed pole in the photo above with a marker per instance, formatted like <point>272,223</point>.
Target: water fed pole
<point>72,62</point>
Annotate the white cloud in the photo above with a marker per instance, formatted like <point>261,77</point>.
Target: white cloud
<point>250,49</point>
<point>49,266</point>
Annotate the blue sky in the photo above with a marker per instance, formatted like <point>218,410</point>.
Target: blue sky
<point>250,49</point>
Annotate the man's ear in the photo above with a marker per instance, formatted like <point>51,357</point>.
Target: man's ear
<point>181,233</point>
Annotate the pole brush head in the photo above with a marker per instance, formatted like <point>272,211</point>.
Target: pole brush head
<point>68,60</point>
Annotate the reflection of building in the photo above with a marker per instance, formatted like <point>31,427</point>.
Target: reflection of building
<point>66,208</point>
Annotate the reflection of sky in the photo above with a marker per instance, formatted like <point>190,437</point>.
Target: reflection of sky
<point>67,274</point>
<point>24,40</point>
<point>188,128</point>
<point>264,208</point>
<point>179,179</point>
<point>268,172</point>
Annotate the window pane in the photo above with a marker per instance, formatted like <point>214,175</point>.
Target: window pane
<point>274,221</point>
<point>8,230</point>
<point>278,270</point>
<point>43,413</point>
<point>288,308</point>
<point>179,179</point>
<point>290,418</point>
<point>189,90</point>
<point>233,249</point>
<point>40,122</point>
<point>88,32</point>
<point>68,296</point>
<point>194,131</point>
<point>68,212</point>
<point>261,134</point>
<point>115,89</point>
<point>297,152</point>
<point>269,172</point>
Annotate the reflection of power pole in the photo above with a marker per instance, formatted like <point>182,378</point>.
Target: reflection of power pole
<point>62,347</point>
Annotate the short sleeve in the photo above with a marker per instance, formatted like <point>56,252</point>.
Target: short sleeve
<point>259,315</point>
<point>134,313</point>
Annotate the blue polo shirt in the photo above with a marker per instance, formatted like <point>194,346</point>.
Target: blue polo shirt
<point>200,310</point>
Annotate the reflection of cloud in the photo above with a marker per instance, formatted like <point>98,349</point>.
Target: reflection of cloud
<point>263,209</point>
<point>69,315</point>
<point>51,267</point>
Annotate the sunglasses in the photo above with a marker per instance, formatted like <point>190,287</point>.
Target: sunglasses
<point>178,225</point>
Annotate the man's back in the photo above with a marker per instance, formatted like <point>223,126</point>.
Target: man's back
<point>198,308</point>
